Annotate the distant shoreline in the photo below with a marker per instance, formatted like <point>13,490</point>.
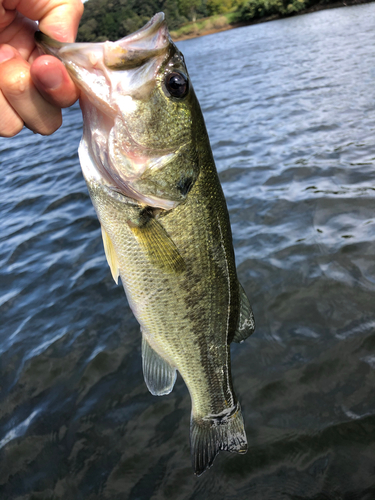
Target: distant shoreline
<point>230,26</point>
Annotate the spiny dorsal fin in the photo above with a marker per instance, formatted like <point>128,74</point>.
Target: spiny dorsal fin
<point>159,247</point>
<point>111,255</point>
<point>159,375</point>
<point>246,323</point>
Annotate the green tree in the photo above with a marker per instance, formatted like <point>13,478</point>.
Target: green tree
<point>192,9</point>
<point>219,6</point>
<point>114,19</point>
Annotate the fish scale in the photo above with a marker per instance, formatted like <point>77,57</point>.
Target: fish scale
<point>195,303</point>
<point>165,225</point>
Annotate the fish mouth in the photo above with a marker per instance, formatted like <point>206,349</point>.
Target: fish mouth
<point>132,51</point>
<point>113,77</point>
<point>108,72</point>
<point>128,52</point>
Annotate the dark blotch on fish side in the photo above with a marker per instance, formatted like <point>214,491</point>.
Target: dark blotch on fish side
<point>184,185</point>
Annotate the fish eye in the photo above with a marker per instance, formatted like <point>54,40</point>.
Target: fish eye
<point>176,84</point>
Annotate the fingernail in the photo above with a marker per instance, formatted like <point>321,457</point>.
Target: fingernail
<point>6,53</point>
<point>51,78</point>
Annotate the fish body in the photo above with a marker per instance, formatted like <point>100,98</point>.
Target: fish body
<point>148,165</point>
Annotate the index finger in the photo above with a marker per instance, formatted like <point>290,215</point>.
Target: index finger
<point>57,18</point>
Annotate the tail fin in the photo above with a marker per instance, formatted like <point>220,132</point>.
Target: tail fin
<point>214,433</point>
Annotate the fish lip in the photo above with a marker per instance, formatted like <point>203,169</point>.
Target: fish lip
<point>151,32</point>
<point>150,43</point>
<point>149,29</point>
<point>47,44</point>
<point>63,51</point>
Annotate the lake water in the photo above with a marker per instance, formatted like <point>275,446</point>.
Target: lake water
<point>290,110</point>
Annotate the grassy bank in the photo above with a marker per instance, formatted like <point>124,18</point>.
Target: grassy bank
<point>257,12</point>
<point>205,26</point>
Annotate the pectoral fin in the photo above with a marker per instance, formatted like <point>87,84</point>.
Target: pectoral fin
<point>246,323</point>
<point>111,255</point>
<point>159,247</point>
<point>159,375</point>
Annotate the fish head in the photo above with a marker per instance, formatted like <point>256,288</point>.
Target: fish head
<point>142,120</point>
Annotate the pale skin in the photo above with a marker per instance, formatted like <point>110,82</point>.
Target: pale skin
<point>34,89</point>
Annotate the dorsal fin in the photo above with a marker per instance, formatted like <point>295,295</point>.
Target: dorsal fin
<point>111,255</point>
<point>159,375</point>
<point>246,323</point>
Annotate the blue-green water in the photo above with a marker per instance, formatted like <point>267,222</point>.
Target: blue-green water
<point>290,110</point>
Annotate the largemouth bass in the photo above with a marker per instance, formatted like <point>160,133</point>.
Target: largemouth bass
<point>148,165</point>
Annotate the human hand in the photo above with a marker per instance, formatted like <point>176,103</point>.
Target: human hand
<point>34,89</point>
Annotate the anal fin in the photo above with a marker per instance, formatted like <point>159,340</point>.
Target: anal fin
<point>111,255</point>
<point>246,323</point>
<point>159,375</point>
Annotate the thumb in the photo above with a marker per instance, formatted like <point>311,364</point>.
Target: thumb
<point>58,19</point>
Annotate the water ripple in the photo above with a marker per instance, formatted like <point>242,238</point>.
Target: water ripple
<point>289,107</point>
